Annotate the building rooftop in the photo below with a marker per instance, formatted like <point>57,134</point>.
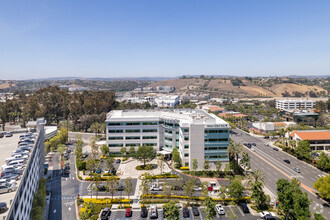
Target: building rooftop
<point>184,116</point>
<point>312,134</point>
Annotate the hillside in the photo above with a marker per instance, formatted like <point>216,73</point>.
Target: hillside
<point>247,87</point>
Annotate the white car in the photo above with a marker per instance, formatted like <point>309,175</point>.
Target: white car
<point>220,210</point>
<point>198,188</point>
<point>253,149</point>
<point>4,181</point>
<point>263,214</point>
<point>319,176</point>
<point>156,188</point>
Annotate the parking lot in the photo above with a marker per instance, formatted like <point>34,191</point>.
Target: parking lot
<point>230,210</point>
<point>7,146</point>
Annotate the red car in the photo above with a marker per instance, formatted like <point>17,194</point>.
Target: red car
<point>128,212</point>
<point>210,188</point>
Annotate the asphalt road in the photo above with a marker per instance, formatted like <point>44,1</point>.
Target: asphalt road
<point>64,191</point>
<point>272,166</point>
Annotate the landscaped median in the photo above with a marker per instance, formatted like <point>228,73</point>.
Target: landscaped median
<point>196,198</point>
<point>162,176</point>
<point>103,178</point>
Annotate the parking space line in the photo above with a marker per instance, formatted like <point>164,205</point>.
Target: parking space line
<point>240,211</point>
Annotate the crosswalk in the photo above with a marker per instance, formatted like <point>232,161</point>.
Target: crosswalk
<point>59,197</point>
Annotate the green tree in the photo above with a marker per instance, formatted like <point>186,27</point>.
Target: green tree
<point>109,163</point>
<point>218,166</point>
<point>171,210</point>
<point>128,186</point>
<point>95,127</point>
<point>254,177</point>
<point>234,149</point>
<point>206,165</point>
<point>318,216</point>
<point>145,154</point>
<point>223,192</point>
<point>123,151</point>
<point>91,165</point>
<point>112,185</point>
<point>95,149</point>
<point>236,189</point>
<point>324,161</point>
<point>258,195</point>
<point>245,161</point>
<point>323,186</point>
<point>105,150</point>
<point>131,150</point>
<point>90,208</point>
<point>209,208</point>
<point>96,183</point>
<point>303,150</point>
<point>188,189</point>
<point>145,185</point>
<point>195,164</point>
<point>176,156</point>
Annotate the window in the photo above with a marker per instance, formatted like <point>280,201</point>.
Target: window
<point>132,130</point>
<point>185,129</point>
<point>149,130</point>
<point>186,138</point>
<point>115,131</point>
<point>150,123</point>
<point>149,144</point>
<point>149,137</point>
<point>186,164</point>
<point>215,148</point>
<point>168,131</point>
<point>210,131</point>
<point>132,137</point>
<point>114,124</point>
<point>186,146</point>
<point>168,138</point>
<point>186,154</point>
<point>132,123</point>
<point>215,139</point>
<point>215,156</point>
<point>132,144</point>
<point>115,145</point>
<point>116,138</point>
<point>168,146</point>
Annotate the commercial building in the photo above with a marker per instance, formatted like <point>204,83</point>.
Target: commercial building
<point>271,126</point>
<point>300,116</point>
<point>294,104</point>
<point>167,101</point>
<point>213,108</point>
<point>196,134</point>
<point>21,205</point>
<point>318,139</point>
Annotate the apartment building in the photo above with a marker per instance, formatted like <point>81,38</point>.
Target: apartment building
<point>196,133</point>
<point>294,104</point>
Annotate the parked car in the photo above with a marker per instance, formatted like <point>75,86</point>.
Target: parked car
<point>12,161</point>
<point>12,170</point>
<point>8,134</point>
<point>156,188</point>
<point>195,211</point>
<point>4,180</point>
<point>297,170</point>
<point>101,188</point>
<point>128,212</point>
<point>7,188</point>
<point>244,207</point>
<point>275,148</point>
<point>210,188</point>
<point>198,188</point>
<point>68,150</point>
<point>153,212</point>
<point>16,157</point>
<point>1,135</point>
<point>177,188</point>
<point>254,144</point>
<point>21,153</point>
<point>253,149</point>
<point>185,212</point>
<point>263,214</point>
<point>120,188</point>
<point>12,176</point>
<point>26,148</point>
<point>220,210</point>
<point>105,213</point>
<point>3,207</point>
<point>287,161</point>
<point>249,145</point>
<point>16,163</point>
<point>144,212</point>
<point>19,150</point>
<point>118,161</point>
<point>66,156</point>
<point>321,175</point>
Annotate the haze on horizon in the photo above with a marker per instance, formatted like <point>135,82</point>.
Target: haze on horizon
<point>147,38</point>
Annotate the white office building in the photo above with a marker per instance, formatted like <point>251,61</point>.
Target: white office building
<point>196,134</point>
<point>294,104</point>
<point>169,101</point>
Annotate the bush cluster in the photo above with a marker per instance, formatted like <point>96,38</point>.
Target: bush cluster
<point>146,167</point>
<point>107,201</point>
<point>39,200</point>
<point>105,178</point>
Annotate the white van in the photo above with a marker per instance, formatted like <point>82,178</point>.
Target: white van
<point>9,159</point>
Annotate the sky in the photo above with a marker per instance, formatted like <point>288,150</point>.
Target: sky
<point>165,38</point>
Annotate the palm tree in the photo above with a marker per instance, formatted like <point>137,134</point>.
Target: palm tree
<point>257,176</point>
<point>95,127</point>
<point>234,149</point>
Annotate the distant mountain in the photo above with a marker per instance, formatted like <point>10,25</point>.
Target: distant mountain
<point>103,79</point>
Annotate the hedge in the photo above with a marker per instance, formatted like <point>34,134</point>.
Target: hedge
<point>158,196</point>
<point>107,201</point>
<point>105,178</point>
<point>184,168</point>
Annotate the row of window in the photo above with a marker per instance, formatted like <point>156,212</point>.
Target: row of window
<point>210,131</point>
<point>215,139</point>
<point>133,131</point>
<point>215,156</point>
<point>132,123</point>
<point>132,144</point>
<point>215,148</point>
<point>133,138</point>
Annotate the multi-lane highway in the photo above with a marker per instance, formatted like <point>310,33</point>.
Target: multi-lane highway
<point>271,164</point>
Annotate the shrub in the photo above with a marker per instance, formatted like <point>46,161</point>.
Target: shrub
<point>184,168</point>
<point>108,174</point>
<point>146,167</point>
<point>107,201</point>
<point>105,178</point>
<point>79,177</point>
<point>124,159</point>
<point>81,165</point>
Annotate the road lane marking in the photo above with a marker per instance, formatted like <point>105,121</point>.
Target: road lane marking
<point>302,185</point>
